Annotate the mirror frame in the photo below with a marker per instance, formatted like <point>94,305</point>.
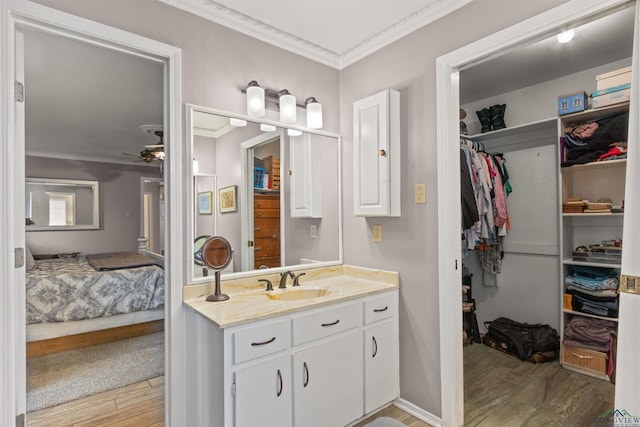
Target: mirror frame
<point>95,186</point>
<point>189,109</point>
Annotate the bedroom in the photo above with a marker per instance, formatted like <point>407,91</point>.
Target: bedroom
<point>75,133</point>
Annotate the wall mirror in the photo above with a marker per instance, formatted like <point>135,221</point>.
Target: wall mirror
<point>61,204</point>
<point>276,196</point>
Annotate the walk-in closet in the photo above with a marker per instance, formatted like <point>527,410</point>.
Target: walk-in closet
<point>542,193</point>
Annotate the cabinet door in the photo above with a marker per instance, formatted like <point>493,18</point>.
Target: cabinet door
<point>376,155</point>
<point>380,365</point>
<point>263,394</point>
<point>328,381</point>
<point>305,176</point>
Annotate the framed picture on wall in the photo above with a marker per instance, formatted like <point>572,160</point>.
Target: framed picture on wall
<point>204,203</point>
<point>227,199</point>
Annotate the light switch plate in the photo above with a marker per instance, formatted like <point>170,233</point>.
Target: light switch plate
<point>377,233</point>
<point>420,193</point>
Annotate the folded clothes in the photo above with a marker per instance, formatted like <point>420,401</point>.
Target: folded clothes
<point>606,309</point>
<point>589,278</point>
<point>589,331</point>
<point>604,295</point>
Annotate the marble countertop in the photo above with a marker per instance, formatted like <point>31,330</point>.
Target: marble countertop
<point>248,300</point>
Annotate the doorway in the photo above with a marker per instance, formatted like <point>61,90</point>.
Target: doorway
<point>448,95</point>
<point>29,16</point>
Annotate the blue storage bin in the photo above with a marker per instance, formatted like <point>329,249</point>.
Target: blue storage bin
<point>572,102</point>
<point>258,177</point>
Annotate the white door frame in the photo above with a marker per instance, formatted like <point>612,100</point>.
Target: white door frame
<point>23,13</point>
<point>448,161</point>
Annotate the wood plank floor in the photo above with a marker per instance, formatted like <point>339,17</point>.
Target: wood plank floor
<point>500,390</point>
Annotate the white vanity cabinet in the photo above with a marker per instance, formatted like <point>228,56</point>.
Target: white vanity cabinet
<point>315,367</point>
<point>376,155</point>
<point>305,176</point>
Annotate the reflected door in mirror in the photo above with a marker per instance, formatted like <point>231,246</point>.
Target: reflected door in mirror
<point>266,234</point>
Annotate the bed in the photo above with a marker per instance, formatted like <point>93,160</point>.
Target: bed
<point>77,299</point>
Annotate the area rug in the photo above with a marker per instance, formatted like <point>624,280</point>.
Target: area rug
<point>61,377</point>
<point>385,422</point>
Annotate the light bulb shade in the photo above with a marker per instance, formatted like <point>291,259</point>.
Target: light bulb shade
<point>314,114</point>
<point>267,128</point>
<point>566,36</point>
<point>294,132</point>
<point>287,107</point>
<point>237,122</point>
<point>255,99</point>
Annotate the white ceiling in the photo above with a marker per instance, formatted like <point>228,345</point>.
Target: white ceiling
<point>87,102</point>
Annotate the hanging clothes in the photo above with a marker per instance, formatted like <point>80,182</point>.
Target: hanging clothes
<point>484,179</point>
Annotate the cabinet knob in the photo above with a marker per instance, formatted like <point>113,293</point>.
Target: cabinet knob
<point>383,152</point>
<point>290,172</point>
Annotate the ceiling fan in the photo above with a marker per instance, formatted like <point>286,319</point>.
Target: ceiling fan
<point>154,151</point>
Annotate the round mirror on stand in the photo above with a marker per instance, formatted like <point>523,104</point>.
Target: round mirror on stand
<point>216,255</point>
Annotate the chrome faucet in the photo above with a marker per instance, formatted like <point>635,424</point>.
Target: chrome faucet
<point>268,282</point>
<point>283,279</point>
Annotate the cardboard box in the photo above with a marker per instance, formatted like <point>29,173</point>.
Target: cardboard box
<point>613,78</point>
<point>611,98</point>
<point>572,102</point>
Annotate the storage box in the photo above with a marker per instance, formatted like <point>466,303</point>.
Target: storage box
<point>589,360</point>
<point>613,78</point>
<point>572,102</point>
<point>606,97</point>
<point>258,177</point>
<point>567,302</point>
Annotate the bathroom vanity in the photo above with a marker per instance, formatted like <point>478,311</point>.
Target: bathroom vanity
<point>321,354</point>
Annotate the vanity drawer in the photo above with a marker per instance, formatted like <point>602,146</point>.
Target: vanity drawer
<point>327,322</point>
<point>378,308</point>
<point>260,340</point>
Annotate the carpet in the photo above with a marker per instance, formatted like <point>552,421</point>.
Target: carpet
<point>69,375</point>
<point>385,422</point>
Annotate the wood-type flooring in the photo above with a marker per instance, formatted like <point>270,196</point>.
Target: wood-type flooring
<point>500,390</point>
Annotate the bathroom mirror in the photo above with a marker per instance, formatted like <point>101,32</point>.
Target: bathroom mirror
<point>61,204</point>
<point>276,194</point>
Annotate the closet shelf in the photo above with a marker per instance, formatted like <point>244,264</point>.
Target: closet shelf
<point>592,214</point>
<point>595,165</point>
<point>569,261</point>
<point>580,313</point>
<point>546,125</point>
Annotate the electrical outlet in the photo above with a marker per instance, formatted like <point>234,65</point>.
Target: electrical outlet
<point>420,193</point>
<point>377,233</point>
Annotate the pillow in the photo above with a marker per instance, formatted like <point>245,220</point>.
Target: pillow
<point>29,262</point>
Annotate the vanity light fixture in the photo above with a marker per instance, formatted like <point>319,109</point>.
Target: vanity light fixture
<point>566,36</point>
<point>255,99</point>
<point>267,128</point>
<point>314,113</point>
<point>237,122</point>
<point>294,132</point>
<point>287,107</point>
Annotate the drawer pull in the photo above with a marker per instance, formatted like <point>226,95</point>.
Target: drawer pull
<point>280,384</point>
<point>582,356</point>
<point>257,229</point>
<point>306,374</point>
<point>331,324</point>
<point>380,310</point>
<point>254,344</point>
<point>375,347</point>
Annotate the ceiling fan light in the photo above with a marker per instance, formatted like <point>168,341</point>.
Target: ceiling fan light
<point>255,99</point>
<point>314,113</point>
<point>287,107</point>
<point>237,122</point>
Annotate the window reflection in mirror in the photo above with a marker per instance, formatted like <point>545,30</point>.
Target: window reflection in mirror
<point>61,204</point>
<point>281,206</point>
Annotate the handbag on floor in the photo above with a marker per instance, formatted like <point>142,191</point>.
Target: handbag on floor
<point>534,343</point>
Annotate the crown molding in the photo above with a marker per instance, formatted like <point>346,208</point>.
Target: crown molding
<point>245,24</point>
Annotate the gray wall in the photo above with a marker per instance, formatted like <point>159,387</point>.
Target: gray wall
<point>119,206</point>
<point>217,61</point>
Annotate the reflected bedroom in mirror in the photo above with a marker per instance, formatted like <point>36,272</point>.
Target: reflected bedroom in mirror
<point>272,192</point>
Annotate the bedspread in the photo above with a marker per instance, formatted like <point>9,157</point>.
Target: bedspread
<point>59,290</point>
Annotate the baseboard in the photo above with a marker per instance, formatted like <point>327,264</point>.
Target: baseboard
<point>418,412</point>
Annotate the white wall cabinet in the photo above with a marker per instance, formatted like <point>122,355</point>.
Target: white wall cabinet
<point>305,176</point>
<point>376,155</point>
<point>308,368</point>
